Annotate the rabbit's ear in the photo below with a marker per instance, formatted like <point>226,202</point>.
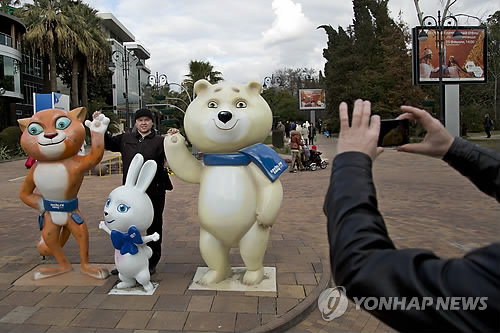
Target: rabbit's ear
<point>134,169</point>
<point>147,174</point>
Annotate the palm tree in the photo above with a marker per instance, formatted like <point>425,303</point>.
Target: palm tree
<point>5,4</point>
<point>201,70</point>
<point>49,32</point>
<point>92,49</point>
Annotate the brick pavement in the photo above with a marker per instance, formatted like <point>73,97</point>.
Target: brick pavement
<point>425,204</point>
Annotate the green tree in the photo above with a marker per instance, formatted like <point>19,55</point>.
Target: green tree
<point>69,34</point>
<point>94,53</point>
<point>493,24</point>
<point>7,5</point>
<point>340,71</point>
<point>283,104</point>
<point>49,32</point>
<point>201,70</point>
<point>293,79</point>
<point>369,60</point>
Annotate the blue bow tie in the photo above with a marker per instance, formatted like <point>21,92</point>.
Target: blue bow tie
<point>125,241</point>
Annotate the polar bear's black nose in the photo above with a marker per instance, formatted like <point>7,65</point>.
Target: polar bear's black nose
<point>105,213</point>
<point>225,116</point>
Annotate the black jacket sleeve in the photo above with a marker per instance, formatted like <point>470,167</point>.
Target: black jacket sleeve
<point>113,143</point>
<point>480,165</point>
<point>365,261</point>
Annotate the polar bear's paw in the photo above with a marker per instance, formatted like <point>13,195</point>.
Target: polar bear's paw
<point>253,277</point>
<point>125,285</point>
<point>148,287</point>
<point>173,137</point>
<point>213,276</point>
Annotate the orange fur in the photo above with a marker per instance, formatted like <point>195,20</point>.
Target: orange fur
<point>66,169</point>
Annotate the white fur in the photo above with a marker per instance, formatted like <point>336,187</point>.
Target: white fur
<point>139,213</point>
<point>237,204</point>
<point>51,179</point>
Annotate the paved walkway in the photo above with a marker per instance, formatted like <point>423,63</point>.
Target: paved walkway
<point>425,204</point>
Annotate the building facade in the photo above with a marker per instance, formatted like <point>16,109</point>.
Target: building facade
<point>11,29</point>
<point>130,73</point>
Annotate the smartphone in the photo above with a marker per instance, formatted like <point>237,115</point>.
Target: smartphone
<point>393,133</point>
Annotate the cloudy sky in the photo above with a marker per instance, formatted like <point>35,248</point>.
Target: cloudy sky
<point>248,40</point>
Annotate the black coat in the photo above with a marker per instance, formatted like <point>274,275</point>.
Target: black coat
<point>312,131</point>
<point>365,261</point>
<point>151,148</point>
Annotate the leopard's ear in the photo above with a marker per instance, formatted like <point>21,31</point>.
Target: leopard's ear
<point>79,113</point>
<point>23,123</point>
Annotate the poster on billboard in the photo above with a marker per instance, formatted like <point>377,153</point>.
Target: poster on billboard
<point>463,61</point>
<point>311,99</point>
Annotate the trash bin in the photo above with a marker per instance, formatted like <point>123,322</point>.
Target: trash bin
<point>277,138</point>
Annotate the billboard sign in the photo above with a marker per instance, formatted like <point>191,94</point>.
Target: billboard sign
<point>464,60</point>
<point>311,99</point>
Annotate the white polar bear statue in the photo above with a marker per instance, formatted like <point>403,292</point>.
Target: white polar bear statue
<point>128,213</point>
<point>240,194</point>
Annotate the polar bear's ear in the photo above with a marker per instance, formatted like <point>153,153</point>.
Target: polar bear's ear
<point>201,85</point>
<point>254,87</point>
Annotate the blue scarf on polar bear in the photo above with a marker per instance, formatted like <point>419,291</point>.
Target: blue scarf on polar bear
<point>271,164</point>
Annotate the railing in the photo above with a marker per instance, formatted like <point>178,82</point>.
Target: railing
<point>106,166</point>
<point>5,39</point>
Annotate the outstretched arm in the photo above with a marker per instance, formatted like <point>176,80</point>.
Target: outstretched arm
<point>154,237</point>
<point>103,226</point>
<point>98,127</point>
<point>480,165</point>
<point>179,159</point>
<point>365,261</point>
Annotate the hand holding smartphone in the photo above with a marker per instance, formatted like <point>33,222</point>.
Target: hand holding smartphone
<point>393,133</point>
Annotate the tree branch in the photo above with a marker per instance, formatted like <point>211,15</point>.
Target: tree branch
<point>419,13</point>
<point>470,16</point>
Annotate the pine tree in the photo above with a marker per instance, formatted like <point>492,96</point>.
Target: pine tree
<point>369,60</point>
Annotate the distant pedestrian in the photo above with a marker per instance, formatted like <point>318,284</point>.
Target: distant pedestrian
<point>311,134</point>
<point>303,133</point>
<point>488,124</point>
<point>287,129</point>
<point>295,144</point>
<point>280,126</point>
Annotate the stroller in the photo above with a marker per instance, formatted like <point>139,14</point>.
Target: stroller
<point>314,160</point>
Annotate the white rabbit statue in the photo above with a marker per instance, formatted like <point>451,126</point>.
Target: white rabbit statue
<point>128,213</point>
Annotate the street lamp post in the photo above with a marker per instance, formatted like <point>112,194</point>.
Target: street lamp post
<point>157,81</point>
<point>139,67</point>
<point>123,59</point>
<point>270,81</point>
<point>439,26</point>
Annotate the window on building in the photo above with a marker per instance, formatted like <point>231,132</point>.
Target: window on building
<point>10,76</point>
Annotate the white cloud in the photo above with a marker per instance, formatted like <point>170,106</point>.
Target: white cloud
<point>248,40</point>
<point>289,23</point>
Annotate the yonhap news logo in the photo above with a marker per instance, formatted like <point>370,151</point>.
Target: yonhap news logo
<point>333,302</point>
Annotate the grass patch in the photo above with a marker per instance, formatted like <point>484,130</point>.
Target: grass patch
<point>479,134</point>
<point>285,150</point>
<point>488,143</point>
<point>268,140</point>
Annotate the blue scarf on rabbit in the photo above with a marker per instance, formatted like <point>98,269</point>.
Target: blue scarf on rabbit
<point>125,241</point>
